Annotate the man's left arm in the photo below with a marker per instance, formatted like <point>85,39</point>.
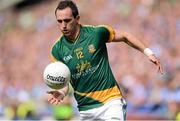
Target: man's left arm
<point>121,36</point>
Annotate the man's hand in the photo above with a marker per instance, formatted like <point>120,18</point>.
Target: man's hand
<point>55,97</point>
<point>153,59</point>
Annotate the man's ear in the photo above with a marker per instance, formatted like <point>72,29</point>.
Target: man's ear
<point>78,18</point>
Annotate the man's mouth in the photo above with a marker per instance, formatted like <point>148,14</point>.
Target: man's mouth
<point>65,31</point>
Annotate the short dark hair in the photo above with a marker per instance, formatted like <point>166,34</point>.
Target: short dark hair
<point>68,3</point>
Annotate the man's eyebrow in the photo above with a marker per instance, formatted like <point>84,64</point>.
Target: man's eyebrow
<point>66,20</point>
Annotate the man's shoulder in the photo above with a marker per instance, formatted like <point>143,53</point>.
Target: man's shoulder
<point>88,27</point>
<point>58,41</point>
<point>95,28</point>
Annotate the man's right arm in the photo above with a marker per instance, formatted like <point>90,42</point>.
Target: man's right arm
<point>56,96</point>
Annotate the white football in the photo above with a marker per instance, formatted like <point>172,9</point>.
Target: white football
<point>56,75</point>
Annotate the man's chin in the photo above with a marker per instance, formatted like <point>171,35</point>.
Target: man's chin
<point>66,33</point>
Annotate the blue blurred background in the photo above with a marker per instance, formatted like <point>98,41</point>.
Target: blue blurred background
<point>29,29</point>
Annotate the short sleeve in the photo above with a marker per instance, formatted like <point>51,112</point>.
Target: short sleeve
<point>55,51</point>
<point>106,33</point>
<point>54,54</point>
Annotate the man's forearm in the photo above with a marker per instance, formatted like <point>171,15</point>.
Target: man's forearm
<point>122,36</point>
<point>64,90</point>
<point>134,42</point>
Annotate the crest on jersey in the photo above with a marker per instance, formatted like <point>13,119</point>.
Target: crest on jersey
<point>91,48</point>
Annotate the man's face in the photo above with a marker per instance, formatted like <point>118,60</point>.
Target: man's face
<point>66,21</point>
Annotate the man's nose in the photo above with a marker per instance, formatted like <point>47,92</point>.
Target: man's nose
<point>64,24</point>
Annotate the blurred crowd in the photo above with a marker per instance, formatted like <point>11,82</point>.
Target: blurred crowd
<point>26,37</point>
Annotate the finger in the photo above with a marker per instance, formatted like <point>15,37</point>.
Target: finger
<point>58,102</point>
<point>53,101</point>
<point>156,62</point>
<point>49,99</point>
<point>160,69</point>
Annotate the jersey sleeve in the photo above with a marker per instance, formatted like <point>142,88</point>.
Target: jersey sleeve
<point>54,52</point>
<point>106,33</point>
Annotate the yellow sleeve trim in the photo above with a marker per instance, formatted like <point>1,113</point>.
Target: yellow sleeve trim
<point>52,58</point>
<point>111,31</point>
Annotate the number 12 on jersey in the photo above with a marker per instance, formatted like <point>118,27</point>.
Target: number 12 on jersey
<point>79,54</point>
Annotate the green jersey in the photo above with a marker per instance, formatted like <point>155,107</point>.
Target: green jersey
<point>87,58</point>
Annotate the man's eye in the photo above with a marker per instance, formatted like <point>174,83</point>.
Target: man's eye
<point>59,21</point>
<point>67,20</point>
